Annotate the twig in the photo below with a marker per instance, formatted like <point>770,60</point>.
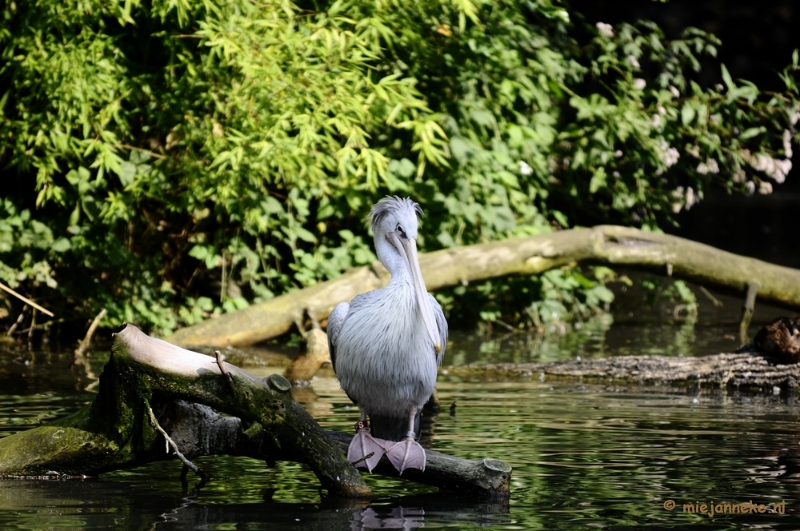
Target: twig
<point>170,442</point>
<point>222,288</point>
<point>504,324</point>
<point>88,339</point>
<point>147,151</point>
<point>747,309</point>
<point>298,322</point>
<point>25,299</point>
<point>314,321</point>
<point>221,363</point>
<point>715,301</point>
<point>363,458</point>
<point>17,323</point>
<point>33,325</point>
<point>45,326</point>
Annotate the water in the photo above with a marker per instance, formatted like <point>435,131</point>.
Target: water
<point>584,457</point>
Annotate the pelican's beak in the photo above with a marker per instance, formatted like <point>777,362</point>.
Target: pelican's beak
<point>408,249</point>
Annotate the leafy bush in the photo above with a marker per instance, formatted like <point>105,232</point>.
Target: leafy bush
<point>175,159</point>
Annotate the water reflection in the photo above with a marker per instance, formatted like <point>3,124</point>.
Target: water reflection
<point>92,504</point>
<point>583,456</point>
<point>594,339</point>
<point>415,512</point>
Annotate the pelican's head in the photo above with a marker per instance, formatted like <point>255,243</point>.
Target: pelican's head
<point>394,223</point>
<point>395,214</point>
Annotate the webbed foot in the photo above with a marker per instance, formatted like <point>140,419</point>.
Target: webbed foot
<point>364,451</point>
<point>407,454</point>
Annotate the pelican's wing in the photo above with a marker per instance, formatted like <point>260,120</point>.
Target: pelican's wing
<point>335,322</point>
<point>441,324</point>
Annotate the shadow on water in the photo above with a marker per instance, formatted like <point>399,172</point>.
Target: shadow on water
<point>583,456</point>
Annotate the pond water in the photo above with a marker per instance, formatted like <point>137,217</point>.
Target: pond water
<point>583,456</point>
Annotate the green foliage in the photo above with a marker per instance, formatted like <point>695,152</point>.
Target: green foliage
<point>544,302</point>
<point>652,140</point>
<point>674,291</point>
<point>176,159</point>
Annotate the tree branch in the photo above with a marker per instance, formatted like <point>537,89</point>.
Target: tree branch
<point>605,244</point>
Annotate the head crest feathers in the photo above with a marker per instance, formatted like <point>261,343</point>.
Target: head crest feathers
<point>392,205</point>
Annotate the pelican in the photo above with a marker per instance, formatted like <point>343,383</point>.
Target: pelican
<point>386,345</point>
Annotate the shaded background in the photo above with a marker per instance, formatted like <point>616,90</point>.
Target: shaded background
<point>757,43</point>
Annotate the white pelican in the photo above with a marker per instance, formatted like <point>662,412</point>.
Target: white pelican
<point>386,345</point>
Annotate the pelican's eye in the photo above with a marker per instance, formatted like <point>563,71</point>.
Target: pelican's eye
<point>401,231</point>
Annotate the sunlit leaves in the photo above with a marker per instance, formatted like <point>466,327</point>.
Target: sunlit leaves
<point>648,141</point>
<point>206,155</point>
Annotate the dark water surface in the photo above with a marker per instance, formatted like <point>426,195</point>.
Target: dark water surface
<point>584,457</point>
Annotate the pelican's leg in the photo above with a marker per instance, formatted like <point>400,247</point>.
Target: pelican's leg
<point>408,453</point>
<point>364,450</point>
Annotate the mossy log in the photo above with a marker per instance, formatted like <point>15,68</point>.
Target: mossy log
<point>198,430</point>
<point>606,244</point>
<point>746,370</point>
<point>147,378</point>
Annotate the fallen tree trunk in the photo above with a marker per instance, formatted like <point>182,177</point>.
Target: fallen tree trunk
<point>149,385</point>
<point>606,244</point>
<point>743,370</point>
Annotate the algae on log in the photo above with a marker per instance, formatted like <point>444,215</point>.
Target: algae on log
<point>523,256</point>
<point>746,369</point>
<point>115,431</point>
<point>181,387</point>
<point>192,426</point>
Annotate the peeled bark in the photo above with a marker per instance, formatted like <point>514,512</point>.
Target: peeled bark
<point>606,244</point>
<point>180,388</point>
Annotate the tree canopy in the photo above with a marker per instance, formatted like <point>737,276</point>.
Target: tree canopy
<point>173,159</point>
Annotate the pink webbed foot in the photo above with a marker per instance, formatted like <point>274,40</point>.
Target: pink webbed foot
<point>407,454</point>
<point>362,445</point>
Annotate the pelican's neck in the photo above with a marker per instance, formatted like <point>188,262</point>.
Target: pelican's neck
<point>392,261</point>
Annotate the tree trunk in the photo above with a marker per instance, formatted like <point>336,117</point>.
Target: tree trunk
<point>606,244</point>
<point>148,379</point>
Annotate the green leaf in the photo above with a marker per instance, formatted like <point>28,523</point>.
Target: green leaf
<point>305,235</point>
<point>598,180</point>
<point>127,173</point>
<point>726,77</point>
<point>403,167</point>
<point>271,205</point>
<point>753,131</point>
<point>201,252</point>
<point>460,149</point>
<point>560,218</point>
<point>61,245</point>
<point>603,294</point>
<point>687,113</point>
